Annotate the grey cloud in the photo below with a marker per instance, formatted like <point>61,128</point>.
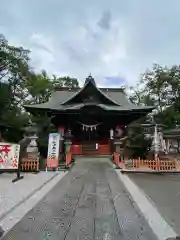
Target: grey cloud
<point>105,21</point>
<point>39,46</point>
<point>78,37</point>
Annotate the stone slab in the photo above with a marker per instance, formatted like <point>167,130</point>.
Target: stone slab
<point>163,190</point>
<point>13,194</point>
<point>90,202</point>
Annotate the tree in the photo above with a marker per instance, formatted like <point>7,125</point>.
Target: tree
<point>160,87</point>
<point>14,67</point>
<point>12,59</point>
<point>5,97</point>
<point>13,71</point>
<point>19,85</point>
<point>69,82</point>
<point>139,143</point>
<point>11,117</point>
<point>39,87</point>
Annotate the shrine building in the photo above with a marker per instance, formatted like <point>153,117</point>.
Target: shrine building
<point>93,115</point>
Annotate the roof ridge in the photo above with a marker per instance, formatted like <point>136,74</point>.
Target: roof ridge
<point>58,89</point>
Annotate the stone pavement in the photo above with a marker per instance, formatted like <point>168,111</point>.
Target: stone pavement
<point>13,194</point>
<point>163,190</point>
<point>90,202</point>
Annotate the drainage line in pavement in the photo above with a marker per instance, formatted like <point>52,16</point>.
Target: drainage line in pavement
<point>74,212</point>
<point>113,204</point>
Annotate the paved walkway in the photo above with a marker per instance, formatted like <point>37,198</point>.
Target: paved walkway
<point>164,192</point>
<point>90,202</point>
<point>13,194</point>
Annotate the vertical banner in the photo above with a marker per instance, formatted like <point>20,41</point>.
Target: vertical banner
<point>53,151</point>
<point>9,155</point>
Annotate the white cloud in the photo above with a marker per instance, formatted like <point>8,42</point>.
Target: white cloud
<point>107,38</point>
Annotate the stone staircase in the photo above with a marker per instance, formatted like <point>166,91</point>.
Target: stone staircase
<point>89,148</point>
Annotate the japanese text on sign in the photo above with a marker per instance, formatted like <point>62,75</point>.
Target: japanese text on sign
<point>9,155</point>
<point>53,150</point>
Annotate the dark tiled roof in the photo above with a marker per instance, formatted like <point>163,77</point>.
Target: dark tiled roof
<point>59,97</point>
<point>62,99</point>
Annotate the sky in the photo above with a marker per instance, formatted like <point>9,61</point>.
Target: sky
<point>113,40</point>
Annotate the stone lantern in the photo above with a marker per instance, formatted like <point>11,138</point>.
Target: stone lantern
<point>68,140</point>
<point>31,133</point>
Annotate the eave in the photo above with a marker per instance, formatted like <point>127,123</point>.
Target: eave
<point>80,106</point>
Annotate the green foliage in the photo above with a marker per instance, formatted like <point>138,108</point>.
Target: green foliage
<point>69,82</point>
<point>13,72</point>
<point>160,87</point>
<point>39,87</point>
<point>5,96</point>
<point>139,143</point>
<point>19,85</point>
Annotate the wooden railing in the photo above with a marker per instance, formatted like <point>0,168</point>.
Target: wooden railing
<point>157,165</point>
<point>118,160</point>
<point>149,165</point>
<point>30,164</point>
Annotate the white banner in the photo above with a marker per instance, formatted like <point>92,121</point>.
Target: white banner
<point>9,155</point>
<point>53,150</point>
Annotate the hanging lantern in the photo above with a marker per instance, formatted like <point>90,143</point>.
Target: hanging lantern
<point>119,131</point>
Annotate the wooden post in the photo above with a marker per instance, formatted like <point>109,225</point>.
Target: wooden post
<point>23,145</point>
<point>124,161</point>
<point>157,164</point>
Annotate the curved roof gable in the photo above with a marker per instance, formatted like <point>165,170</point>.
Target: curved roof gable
<point>90,82</point>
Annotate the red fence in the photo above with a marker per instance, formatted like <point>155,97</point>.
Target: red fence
<point>156,164</point>
<point>119,161</point>
<point>146,165</point>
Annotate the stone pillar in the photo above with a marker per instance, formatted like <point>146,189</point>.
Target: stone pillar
<point>67,143</point>
<point>68,140</point>
<point>119,145</point>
